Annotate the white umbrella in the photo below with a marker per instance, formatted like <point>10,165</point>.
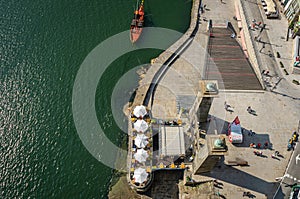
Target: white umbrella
<point>140,125</point>
<point>140,111</point>
<point>140,175</point>
<point>141,155</point>
<point>141,141</point>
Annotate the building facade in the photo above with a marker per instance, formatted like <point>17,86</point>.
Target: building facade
<point>292,10</point>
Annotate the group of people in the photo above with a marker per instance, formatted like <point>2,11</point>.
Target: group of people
<point>258,146</point>
<point>251,133</point>
<point>255,25</point>
<point>265,72</point>
<point>229,108</point>
<point>292,140</point>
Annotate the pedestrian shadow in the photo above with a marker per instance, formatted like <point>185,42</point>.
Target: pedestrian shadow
<point>285,95</point>
<point>230,110</point>
<point>276,45</point>
<point>253,113</point>
<point>276,158</point>
<point>281,156</point>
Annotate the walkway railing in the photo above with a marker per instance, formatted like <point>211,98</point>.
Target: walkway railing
<point>168,63</point>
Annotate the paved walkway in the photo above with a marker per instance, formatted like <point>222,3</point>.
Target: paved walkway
<point>272,40</point>
<point>271,125</point>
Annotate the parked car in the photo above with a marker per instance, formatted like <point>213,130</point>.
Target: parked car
<point>235,133</point>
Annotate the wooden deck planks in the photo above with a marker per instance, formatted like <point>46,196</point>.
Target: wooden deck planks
<point>227,63</point>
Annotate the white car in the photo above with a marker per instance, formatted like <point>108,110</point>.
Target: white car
<point>235,132</point>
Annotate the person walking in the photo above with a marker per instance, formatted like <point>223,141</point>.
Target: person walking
<point>248,194</point>
<point>226,106</point>
<point>249,109</point>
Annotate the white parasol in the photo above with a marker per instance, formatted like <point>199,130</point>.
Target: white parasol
<point>141,155</point>
<point>140,125</point>
<point>141,141</point>
<point>140,175</point>
<point>139,111</point>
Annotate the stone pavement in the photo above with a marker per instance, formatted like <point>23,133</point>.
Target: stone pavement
<point>274,37</point>
<point>271,124</point>
<point>277,111</point>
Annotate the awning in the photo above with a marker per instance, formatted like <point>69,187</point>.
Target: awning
<point>271,6</point>
<point>172,141</point>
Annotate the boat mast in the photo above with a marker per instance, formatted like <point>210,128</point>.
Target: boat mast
<point>136,9</point>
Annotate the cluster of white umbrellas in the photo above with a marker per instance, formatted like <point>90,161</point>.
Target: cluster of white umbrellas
<point>141,141</point>
<point>140,125</point>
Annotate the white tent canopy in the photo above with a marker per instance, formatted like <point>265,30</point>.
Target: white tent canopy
<point>141,155</point>
<point>140,125</point>
<point>140,111</point>
<point>141,141</point>
<point>140,175</point>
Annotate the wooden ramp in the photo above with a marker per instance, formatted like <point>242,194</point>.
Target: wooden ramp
<point>227,63</point>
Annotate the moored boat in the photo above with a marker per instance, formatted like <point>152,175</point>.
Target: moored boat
<point>137,22</point>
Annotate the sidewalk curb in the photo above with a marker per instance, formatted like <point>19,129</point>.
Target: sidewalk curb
<point>284,173</point>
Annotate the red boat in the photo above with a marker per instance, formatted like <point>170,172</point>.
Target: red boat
<point>137,23</point>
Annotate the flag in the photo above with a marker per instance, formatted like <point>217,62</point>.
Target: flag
<point>236,121</point>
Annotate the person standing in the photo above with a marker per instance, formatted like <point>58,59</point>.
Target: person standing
<point>266,145</point>
<point>249,109</point>
<point>258,145</point>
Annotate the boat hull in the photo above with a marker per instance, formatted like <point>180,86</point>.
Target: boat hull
<point>137,23</point>
<point>135,34</point>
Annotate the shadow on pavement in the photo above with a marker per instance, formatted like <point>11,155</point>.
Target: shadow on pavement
<point>279,194</point>
<point>239,178</point>
<point>285,95</point>
<point>219,126</point>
